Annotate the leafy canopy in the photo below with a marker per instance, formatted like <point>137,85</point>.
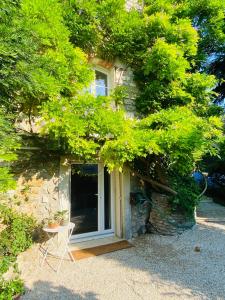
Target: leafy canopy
<point>9,143</point>
<point>45,46</point>
<point>38,62</point>
<point>51,74</point>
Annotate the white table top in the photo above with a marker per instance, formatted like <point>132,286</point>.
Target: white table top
<point>56,230</point>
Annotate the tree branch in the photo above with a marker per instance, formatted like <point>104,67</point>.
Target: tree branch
<point>153,182</point>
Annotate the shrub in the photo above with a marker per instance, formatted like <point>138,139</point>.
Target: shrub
<point>187,197</point>
<point>11,288</point>
<point>16,237</point>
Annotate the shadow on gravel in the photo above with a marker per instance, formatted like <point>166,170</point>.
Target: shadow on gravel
<point>167,260</point>
<point>175,270</point>
<point>43,290</point>
<point>175,261</point>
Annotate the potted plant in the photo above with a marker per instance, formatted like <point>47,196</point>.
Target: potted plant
<point>52,222</point>
<point>62,217</point>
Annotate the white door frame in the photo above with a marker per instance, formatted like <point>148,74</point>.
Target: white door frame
<point>65,199</point>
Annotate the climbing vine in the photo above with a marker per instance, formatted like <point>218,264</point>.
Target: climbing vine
<point>45,51</point>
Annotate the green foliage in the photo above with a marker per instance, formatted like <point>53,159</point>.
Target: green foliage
<point>165,62</point>
<point>37,60</point>
<point>17,236</point>
<point>11,288</point>
<point>178,135</point>
<point>6,262</point>
<point>119,95</point>
<point>9,142</point>
<point>188,191</point>
<point>160,45</point>
<point>179,31</point>
<point>165,79</point>
<point>93,23</point>
<point>45,74</point>
<point>207,16</point>
<point>126,38</point>
<point>8,139</point>
<point>83,124</point>
<point>215,164</point>
<point>81,19</point>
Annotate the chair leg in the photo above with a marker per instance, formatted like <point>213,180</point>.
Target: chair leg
<point>61,259</point>
<point>71,256</point>
<point>38,255</point>
<point>44,258</point>
<point>45,251</point>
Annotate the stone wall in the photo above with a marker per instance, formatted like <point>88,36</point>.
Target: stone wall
<point>37,177</point>
<point>139,211</point>
<point>155,216</point>
<point>123,76</point>
<point>164,220</point>
<point>138,4</point>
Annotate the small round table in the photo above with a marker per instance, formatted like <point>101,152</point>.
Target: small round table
<point>62,248</point>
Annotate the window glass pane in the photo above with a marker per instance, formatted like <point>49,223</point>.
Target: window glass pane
<point>101,91</point>
<point>101,84</point>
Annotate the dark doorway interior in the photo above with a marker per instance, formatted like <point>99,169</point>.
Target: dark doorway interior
<point>84,197</point>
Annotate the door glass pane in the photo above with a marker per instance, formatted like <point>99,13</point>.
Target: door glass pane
<point>84,197</point>
<point>101,84</point>
<point>107,199</point>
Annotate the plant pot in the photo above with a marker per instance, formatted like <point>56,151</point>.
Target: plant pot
<point>53,225</point>
<point>16,297</point>
<point>64,222</point>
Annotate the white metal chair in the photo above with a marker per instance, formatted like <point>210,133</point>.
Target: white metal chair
<point>66,233</point>
<point>67,249</point>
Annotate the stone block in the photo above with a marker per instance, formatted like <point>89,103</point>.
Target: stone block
<point>34,190</point>
<point>34,182</point>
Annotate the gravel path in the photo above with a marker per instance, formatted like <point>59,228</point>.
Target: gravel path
<point>158,267</point>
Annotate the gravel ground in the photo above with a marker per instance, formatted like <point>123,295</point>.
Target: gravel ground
<point>158,267</point>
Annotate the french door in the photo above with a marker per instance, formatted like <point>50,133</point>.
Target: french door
<point>91,201</point>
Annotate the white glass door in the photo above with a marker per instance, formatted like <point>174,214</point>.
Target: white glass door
<point>91,205</point>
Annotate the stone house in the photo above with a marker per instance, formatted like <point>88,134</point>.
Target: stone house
<point>98,203</point>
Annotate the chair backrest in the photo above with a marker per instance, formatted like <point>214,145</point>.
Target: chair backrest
<point>70,229</point>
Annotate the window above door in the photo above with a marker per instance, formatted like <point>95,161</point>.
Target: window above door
<point>100,86</point>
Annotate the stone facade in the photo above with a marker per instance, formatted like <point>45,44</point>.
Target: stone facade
<point>137,4</point>
<point>129,102</point>
<point>37,185</point>
<point>123,76</point>
<point>139,210</point>
<point>164,220</point>
<point>154,214</point>
<point>118,75</point>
